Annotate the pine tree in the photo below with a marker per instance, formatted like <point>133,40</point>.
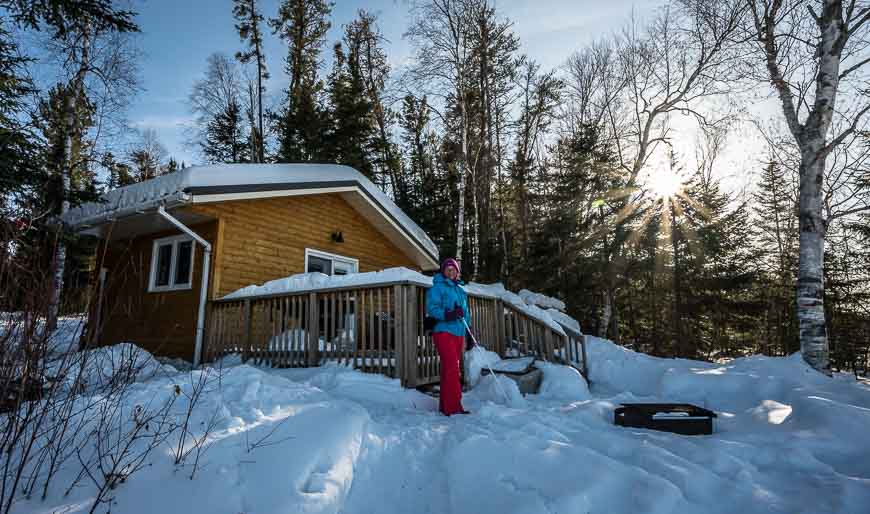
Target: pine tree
<point>76,164</point>
<point>119,173</point>
<point>248,24</point>
<point>302,124</point>
<point>424,194</point>
<point>775,222</point>
<point>224,133</point>
<point>716,268</point>
<point>367,62</point>
<point>539,98</point>
<point>225,137</point>
<point>20,172</point>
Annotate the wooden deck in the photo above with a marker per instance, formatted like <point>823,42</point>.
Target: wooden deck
<point>376,328</point>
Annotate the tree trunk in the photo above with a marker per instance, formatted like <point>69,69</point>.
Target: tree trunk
<point>681,345</point>
<point>65,168</point>
<point>811,282</point>
<point>460,229</point>
<point>604,321</point>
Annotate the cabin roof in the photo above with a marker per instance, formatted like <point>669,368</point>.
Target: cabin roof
<point>226,182</point>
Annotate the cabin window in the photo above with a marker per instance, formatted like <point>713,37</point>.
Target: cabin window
<point>171,264</point>
<point>328,263</point>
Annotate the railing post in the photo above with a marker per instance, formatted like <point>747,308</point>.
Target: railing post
<point>399,320</point>
<point>313,329</point>
<point>246,337</point>
<point>500,343</point>
<point>411,346</point>
<point>585,363</point>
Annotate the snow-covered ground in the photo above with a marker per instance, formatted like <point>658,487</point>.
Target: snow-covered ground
<point>330,439</point>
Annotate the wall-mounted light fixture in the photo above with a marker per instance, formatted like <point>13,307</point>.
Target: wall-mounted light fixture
<point>337,237</point>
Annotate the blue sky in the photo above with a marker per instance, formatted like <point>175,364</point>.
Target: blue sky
<point>178,35</point>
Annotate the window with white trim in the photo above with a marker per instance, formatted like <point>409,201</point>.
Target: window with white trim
<point>172,264</point>
<point>329,263</point>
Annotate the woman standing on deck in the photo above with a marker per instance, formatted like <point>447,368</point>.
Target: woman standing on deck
<point>447,302</point>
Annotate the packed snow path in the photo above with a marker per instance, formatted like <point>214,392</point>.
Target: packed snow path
<point>333,440</point>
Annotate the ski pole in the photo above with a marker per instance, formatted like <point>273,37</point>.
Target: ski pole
<point>497,382</point>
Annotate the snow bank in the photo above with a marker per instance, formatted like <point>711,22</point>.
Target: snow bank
<point>541,300</point>
<point>476,360</point>
<point>109,365</point>
<point>562,383</point>
<point>564,319</point>
<point>369,387</point>
<point>63,340</point>
<point>276,446</point>
<point>496,389</point>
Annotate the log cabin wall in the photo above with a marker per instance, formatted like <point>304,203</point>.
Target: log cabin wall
<point>266,239</point>
<point>164,323</point>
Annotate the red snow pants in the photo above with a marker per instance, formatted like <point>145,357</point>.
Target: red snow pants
<point>449,349</point>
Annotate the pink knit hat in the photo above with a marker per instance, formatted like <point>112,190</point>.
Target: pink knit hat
<point>448,263</point>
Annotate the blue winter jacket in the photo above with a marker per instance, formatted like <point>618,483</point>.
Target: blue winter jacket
<point>442,297</point>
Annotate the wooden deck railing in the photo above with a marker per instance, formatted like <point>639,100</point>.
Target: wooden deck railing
<point>376,328</point>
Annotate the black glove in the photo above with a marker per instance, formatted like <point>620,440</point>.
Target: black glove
<point>453,315</point>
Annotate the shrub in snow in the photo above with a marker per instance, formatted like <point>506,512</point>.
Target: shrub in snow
<point>93,423</point>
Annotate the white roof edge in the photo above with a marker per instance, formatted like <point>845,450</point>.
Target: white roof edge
<point>197,181</point>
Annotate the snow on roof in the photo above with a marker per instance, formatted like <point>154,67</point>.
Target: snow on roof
<point>303,282</point>
<point>181,186</point>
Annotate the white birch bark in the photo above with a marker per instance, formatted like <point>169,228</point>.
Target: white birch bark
<point>66,165</point>
<point>463,161</point>
<point>835,26</point>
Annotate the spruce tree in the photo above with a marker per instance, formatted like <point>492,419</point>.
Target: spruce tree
<point>351,137</point>
<point>776,233</point>
<point>53,131</point>
<point>20,173</point>
<point>368,65</point>
<point>303,122</point>
<point>225,140</point>
<point>249,25</point>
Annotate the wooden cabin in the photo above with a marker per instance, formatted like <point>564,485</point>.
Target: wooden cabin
<point>174,248</point>
<point>259,221</point>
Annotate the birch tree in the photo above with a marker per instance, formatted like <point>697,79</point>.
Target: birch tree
<point>815,57</point>
<point>76,30</point>
<point>440,33</point>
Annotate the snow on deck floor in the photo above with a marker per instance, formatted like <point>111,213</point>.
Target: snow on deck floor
<point>787,440</point>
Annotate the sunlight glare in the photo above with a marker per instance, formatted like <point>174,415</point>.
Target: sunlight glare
<point>665,184</point>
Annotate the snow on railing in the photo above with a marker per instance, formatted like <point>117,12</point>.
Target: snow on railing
<point>372,321</point>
